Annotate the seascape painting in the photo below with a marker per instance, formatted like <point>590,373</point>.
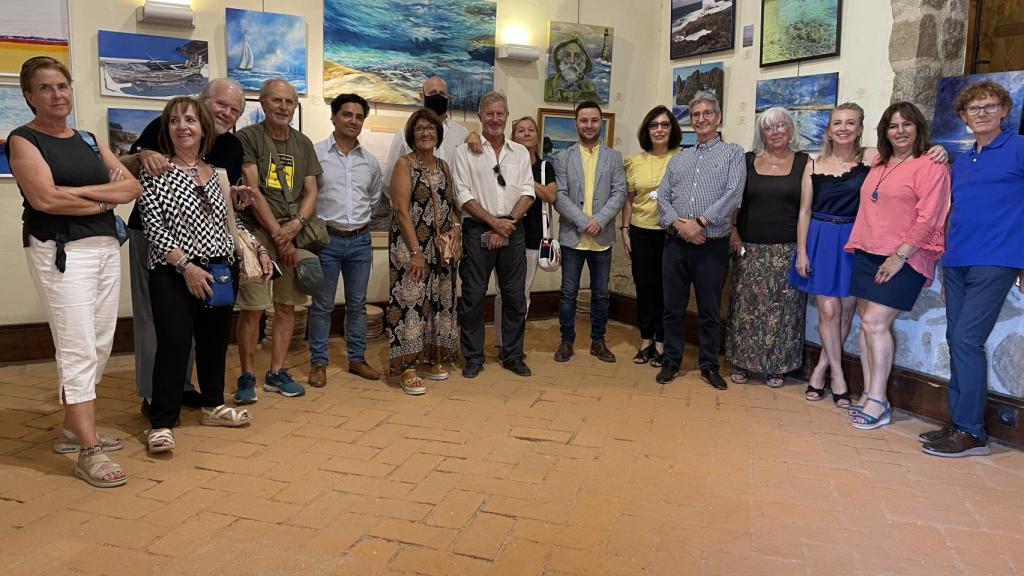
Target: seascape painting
<point>144,66</point>
<point>579,63</point>
<point>253,114</point>
<point>560,127</point>
<point>795,30</point>
<point>13,113</point>
<point>32,28</point>
<point>701,26</point>
<point>255,56</point>
<point>689,140</point>
<point>810,99</point>
<point>947,127</point>
<point>124,125</point>
<point>385,49</point>
<point>688,80</point>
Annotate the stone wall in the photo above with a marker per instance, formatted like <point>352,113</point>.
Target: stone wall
<point>928,41</point>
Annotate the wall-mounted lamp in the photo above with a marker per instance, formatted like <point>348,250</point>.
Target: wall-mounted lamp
<point>518,52</point>
<point>166,13</point>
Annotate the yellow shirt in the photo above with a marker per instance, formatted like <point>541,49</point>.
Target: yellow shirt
<point>589,160</point>
<point>643,176</point>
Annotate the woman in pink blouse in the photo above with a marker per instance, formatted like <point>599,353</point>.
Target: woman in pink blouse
<point>897,238</point>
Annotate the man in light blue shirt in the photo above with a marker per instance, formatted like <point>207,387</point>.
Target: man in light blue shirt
<point>349,188</point>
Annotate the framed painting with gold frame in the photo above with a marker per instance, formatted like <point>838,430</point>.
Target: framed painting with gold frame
<point>559,125</point>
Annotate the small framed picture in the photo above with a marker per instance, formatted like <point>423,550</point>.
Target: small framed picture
<point>253,114</point>
<point>560,126</point>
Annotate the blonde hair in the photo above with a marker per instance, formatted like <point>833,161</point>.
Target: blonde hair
<point>826,148</point>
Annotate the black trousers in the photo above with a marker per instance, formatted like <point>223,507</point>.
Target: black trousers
<point>705,267</point>
<point>179,317</point>
<point>645,258</point>
<point>475,271</point>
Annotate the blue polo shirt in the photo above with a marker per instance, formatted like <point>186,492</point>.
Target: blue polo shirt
<point>986,222</point>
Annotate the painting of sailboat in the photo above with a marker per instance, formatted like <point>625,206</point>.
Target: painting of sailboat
<point>143,66</point>
<point>810,99</point>
<point>949,130</point>
<point>264,45</point>
<point>385,49</point>
<point>32,28</point>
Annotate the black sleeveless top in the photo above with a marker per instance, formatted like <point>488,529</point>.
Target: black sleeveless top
<point>771,204</point>
<point>72,162</point>
<point>838,195</point>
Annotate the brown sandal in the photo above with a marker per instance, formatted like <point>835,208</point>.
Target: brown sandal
<point>412,384</point>
<point>95,467</point>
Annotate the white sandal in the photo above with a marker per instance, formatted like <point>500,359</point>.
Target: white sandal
<point>224,415</point>
<point>68,442</point>
<point>94,467</point>
<point>160,440</point>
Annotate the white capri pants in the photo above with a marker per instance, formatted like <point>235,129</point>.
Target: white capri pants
<point>81,306</point>
<point>532,259</point>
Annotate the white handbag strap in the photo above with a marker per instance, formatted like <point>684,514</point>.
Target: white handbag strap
<point>545,210</point>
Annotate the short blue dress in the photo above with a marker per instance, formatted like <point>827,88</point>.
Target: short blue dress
<point>833,209</point>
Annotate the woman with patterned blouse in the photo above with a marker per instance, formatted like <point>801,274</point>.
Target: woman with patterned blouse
<point>185,219</point>
<point>420,322</point>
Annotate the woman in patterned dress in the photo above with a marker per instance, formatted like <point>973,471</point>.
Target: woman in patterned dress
<point>420,322</point>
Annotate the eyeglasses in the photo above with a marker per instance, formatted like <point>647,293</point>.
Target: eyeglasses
<point>655,125</point>
<point>778,127</point>
<point>497,172</point>
<point>204,198</point>
<point>425,129</point>
<point>704,114</point>
<point>990,108</point>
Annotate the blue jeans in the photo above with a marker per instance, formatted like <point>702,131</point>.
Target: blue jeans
<point>974,297</point>
<point>600,266</point>
<point>352,258</point>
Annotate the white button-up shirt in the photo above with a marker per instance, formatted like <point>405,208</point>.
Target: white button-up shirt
<point>349,187</point>
<point>454,134</point>
<point>476,179</point>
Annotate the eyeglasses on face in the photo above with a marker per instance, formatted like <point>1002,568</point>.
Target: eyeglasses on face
<point>777,127</point>
<point>425,129</point>
<point>990,108</point>
<point>665,124</point>
<point>705,114</point>
<point>497,172</point>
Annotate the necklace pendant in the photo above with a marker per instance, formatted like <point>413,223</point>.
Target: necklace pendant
<point>874,195</point>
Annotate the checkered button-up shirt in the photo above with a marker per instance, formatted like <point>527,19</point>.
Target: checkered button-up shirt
<point>706,180</point>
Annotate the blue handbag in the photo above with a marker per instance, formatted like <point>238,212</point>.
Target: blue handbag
<point>223,286</point>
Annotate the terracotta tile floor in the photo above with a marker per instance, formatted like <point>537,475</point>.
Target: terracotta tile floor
<point>586,468</point>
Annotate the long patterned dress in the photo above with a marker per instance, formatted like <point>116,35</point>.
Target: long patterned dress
<point>420,323</point>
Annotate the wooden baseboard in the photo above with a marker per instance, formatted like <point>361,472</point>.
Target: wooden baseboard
<point>922,394</point>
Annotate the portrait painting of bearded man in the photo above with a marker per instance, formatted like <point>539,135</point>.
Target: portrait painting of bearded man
<point>579,63</point>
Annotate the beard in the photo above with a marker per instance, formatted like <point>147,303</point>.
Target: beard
<point>570,76</point>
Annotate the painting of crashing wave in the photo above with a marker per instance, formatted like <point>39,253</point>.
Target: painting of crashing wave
<point>795,30</point>
<point>810,99</point>
<point>701,26</point>
<point>947,127</point>
<point>385,49</point>
<point>254,55</point>
<point>144,66</point>
<point>32,28</point>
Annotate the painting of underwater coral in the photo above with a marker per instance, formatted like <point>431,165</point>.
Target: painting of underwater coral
<point>795,30</point>
<point>947,127</point>
<point>385,49</point>
<point>701,26</point>
<point>579,62</point>
<point>255,56</point>
<point>688,80</point>
<point>810,99</point>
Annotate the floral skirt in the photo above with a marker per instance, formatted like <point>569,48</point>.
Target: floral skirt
<point>766,314</point>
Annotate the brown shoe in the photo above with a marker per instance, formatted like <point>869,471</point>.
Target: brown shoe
<point>318,376</point>
<point>957,444</point>
<point>602,352</point>
<point>564,352</point>
<point>363,370</point>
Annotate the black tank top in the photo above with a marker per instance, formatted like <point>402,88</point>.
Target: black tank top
<point>771,204</point>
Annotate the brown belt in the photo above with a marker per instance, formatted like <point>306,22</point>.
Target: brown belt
<point>347,233</point>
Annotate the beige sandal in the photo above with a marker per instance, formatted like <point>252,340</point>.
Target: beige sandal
<point>68,442</point>
<point>160,440</point>
<point>95,468</point>
<point>412,384</point>
<point>224,416</point>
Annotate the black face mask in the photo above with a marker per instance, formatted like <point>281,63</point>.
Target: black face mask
<point>438,103</point>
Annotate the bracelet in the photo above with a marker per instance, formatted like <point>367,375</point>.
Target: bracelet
<point>415,251</point>
<point>456,225</point>
<point>261,251</point>
<point>301,220</point>
<point>182,264</point>
<point>901,256</point>
<point>103,206</point>
<point>699,223</point>
<point>623,227</point>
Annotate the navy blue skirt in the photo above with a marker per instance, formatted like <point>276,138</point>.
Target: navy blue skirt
<point>831,265</point>
<point>900,292</point>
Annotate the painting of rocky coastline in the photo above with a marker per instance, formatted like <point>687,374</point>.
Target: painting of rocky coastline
<point>795,30</point>
<point>125,125</point>
<point>385,49</point>
<point>701,26</point>
<point>947,127</point>
<point>810,99</point>
<point>688,80</point>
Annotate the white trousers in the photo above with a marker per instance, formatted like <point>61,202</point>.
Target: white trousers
<point>532,258</point>
<point>81,306</point>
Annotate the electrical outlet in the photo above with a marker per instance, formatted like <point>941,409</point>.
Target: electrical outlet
<point>1007,416</point>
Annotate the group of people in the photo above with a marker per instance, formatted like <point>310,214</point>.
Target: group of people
<point>859,228</point>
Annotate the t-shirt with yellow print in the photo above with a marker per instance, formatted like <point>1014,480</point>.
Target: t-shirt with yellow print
<point>643,176</point>
<point>589,160</point>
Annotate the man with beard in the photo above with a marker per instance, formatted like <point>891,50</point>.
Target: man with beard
<point>569,83</point>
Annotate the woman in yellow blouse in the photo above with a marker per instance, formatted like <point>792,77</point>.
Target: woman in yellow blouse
<point>659,136</point>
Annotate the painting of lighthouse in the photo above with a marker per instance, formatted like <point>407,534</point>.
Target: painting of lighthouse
<point>701,26</point>
<point>579,62</point>
<point>263,45</point>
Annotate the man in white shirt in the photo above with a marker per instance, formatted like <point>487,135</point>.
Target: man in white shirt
<point>435,97</point>
<point>349,188</point>
<point>494,189</point>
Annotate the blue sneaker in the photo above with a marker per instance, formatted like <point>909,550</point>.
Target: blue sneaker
<point>282,383</point>
<point>246,393</point>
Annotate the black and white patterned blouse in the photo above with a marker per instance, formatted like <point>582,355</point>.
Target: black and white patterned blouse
<point>176,213</point>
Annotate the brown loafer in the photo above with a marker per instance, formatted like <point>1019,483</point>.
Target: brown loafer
<point>602,352</point>
<point>363,370</point>
<point>564,352</point>
<point>318,376</point>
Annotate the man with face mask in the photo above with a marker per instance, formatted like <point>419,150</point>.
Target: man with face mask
<point>569,83</point>
<point>435,97</point>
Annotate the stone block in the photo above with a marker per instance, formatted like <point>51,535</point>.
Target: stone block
<point>927,44</point>
<point>903,40</point>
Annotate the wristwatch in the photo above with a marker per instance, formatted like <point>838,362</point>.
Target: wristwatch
<point>302,221</point>
<point>182,264</point>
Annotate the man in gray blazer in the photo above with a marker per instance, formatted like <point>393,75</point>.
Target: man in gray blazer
<point>591,191</point>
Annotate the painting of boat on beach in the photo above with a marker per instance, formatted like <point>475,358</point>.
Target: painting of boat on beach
<point>385,49</point>
<point>32,28</point>
<point>143,66</point>
<point>947,127</point>
<point>810,99</point>
<point>796,30</point>
<point>264,45</point>
<point>124,125</point>
<point>14,112</point>
<point>688,80</point>
<point>701,26</point>
<point>579,62</point>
